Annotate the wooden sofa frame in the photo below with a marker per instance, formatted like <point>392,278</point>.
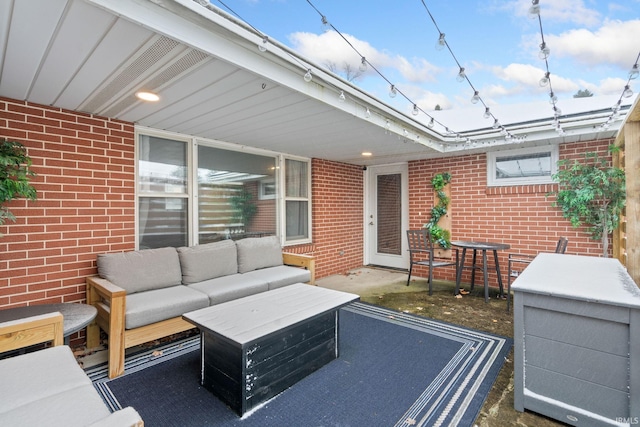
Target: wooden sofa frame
<point>31,331</point>
<point>110,301</point>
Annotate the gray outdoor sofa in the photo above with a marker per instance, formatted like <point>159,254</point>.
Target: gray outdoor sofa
<point>141,295</point>
<point>48,387</point>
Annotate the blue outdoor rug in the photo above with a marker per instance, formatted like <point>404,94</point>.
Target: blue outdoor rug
<point>394,369</point>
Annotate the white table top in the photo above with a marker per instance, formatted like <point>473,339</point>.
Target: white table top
<point>585,278</point>
<point>249,318</point>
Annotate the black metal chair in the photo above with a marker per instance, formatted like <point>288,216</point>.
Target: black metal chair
<point>523,260</point>
<point>421,252</point>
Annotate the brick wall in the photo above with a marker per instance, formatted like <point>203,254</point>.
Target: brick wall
<point>85,206</point>
<point>338,211</point>
<point>521,216</point>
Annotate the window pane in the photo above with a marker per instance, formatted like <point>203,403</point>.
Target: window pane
<point>229,189</point>
<point>162,165</point>
<point>162,222</point>
<point>297,176</point>
<point>389,195</point>
<point>526,165</point>
<point>297,220</point>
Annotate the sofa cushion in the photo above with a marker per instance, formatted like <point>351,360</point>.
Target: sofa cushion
<point>208,261</point>
<point>279,276</point>
<point>80,406</point>
<point>143,270</point>
<point>156,305</point>
<point>227,288</point>
<point>258,252</point>
<point>38,375</point>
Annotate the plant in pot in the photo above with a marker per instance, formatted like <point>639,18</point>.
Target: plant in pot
<point>591,192</point>
<point>15,177</point>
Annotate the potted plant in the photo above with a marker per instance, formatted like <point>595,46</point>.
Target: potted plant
<point>15,177</point>
<point>593,193</point>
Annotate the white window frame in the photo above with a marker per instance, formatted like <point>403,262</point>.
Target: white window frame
<point>192,196</point>
<point>492,156</point>
<point>283,201</point>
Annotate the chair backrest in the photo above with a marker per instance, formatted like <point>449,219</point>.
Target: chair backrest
<point>561,247</point>
<point>419,240</point>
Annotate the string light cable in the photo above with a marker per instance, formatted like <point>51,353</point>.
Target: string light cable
<point>634,72</point>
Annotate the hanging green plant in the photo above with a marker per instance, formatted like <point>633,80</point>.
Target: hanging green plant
<point>441,236</point>
<point>15,176</point>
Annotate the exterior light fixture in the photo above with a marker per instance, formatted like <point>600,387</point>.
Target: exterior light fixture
<point>367,154</point>
<point>487,113</point>
<point>367,113</point>
<point>534,9</point>
<point>147,96</point>
<point>461,75</point>
<point>633,74</point>
<point>342,98</point>
<point>544,51</point>
<point>415,110</point>
<point>263,46</point>
<point>393,91</point>
<point>545,79</point>
<point>552,98</point>
<point>431,123</point>
<point>363,65</point>
<point>441,43</point>
<point>628,93</point>
<point>308,76</point>
<point>475,98</point>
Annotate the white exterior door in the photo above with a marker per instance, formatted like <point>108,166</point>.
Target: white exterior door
<point>386,216</point>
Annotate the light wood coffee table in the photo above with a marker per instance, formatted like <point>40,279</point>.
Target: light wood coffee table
<point>256,347</point>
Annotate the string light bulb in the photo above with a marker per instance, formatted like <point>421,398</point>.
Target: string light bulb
<point>628,93</point>
<point>431,123</point>
<point>441,43</point>
<point>325,24</point>
<point>308,76</point>
<point>461,75</point>
<point>496,124</point>
<point>552,98</point>
<point>415,110</point>
<point>393,91</point>
<point>262,47</point>
<point>545,79</point>
<point>363,65</point>
<point>534,9</point>
<point>367,113</point>
<point>475,98</point>
<point>487,113</point>
<point>544,51</point>
<point>342,98</point>
<point>633,74</point>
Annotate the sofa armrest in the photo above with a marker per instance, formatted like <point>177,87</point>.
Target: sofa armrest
<point>300,260</point>
<point>110,301</point>
<point>127,417</point>
<point>15,334</point>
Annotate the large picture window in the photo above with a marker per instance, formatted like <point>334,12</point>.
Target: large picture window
<point>534,165</point>
<point>194,192</point>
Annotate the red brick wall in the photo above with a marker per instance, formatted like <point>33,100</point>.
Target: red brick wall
<point>338,212</point>
<point>85,184</point>
<point>521,216</point>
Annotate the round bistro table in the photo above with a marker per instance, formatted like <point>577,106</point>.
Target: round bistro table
<point>75,316</point>
<point>484,247</point>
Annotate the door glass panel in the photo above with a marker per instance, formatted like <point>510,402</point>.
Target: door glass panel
<point>389,189</point>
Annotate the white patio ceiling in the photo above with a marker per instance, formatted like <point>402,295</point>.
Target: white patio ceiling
<point>94,55</point>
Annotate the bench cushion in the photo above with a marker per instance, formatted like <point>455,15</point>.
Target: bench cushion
<point>40,374</point>
<point>258,252</point>
<point>161,304</point>
<point>139,271</point>
<point>227,288</point>
<point>279,276</point>
<point>208,261</point>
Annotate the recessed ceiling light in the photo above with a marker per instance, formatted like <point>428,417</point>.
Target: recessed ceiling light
<point>367,153</point>
<point>147,96</point>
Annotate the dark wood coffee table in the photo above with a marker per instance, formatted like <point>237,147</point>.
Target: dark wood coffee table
<point>254,348</point>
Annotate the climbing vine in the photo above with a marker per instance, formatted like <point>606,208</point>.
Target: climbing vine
<point>440,235</point>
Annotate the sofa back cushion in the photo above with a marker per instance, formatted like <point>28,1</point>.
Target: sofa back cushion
<point>143,270</point>
<point>258,252</point>
<point>208,261</point>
